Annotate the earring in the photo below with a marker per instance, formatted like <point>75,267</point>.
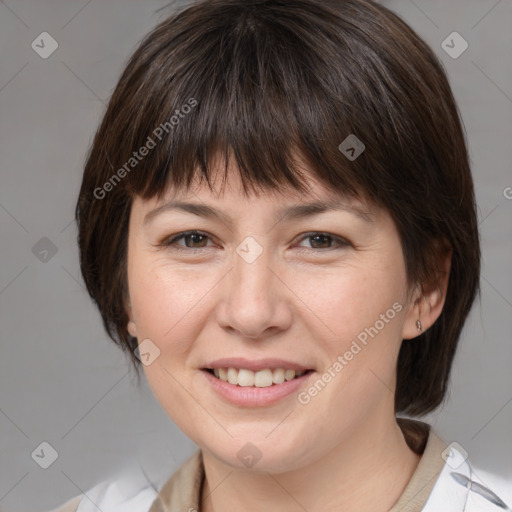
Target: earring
<point>418,325</point>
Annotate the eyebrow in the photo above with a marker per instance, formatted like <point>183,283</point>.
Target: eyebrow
<point>298,211</point>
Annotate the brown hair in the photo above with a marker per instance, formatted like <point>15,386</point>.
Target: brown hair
<point>265,80</point>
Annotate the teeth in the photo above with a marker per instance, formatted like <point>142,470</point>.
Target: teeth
<point>289,374</point>
<point>260,379</point>
<point>245,378</point>
<point>278,376</point>
<point>233,376</point>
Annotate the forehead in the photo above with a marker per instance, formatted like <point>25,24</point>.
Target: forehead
<point>227,189</point>
<point>228,203</point>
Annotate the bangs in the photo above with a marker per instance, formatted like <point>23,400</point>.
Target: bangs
<point>241,95</point>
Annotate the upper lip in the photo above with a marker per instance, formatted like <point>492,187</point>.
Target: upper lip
<point>255,364</point>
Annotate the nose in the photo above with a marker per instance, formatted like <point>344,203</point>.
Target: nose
<point>255,301</point>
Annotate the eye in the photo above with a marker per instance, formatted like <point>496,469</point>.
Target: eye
<point>324,241</point>
<point>193,240</point>
<point>196,240</point>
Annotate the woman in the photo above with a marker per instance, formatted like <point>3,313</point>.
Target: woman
<point>277,221</point>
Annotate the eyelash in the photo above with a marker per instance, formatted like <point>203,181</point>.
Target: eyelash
<point>170,243</point>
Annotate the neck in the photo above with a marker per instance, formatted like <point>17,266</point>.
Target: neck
<point>369,471</point>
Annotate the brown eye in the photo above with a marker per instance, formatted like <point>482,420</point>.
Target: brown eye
<point>195,238</point>
<point>192,239</point>
<point>324,241</point>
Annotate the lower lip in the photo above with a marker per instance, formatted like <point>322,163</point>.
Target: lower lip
<point>250,396</point>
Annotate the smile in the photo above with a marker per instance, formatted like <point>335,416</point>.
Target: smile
<point>261,379</point>
<point>261,388</point>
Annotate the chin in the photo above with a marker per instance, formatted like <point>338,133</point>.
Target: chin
<point>277,455</point>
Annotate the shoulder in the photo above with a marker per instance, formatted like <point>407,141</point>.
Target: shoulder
<point>122,494</point>
<point>134,492</point>
<point>463,487</point>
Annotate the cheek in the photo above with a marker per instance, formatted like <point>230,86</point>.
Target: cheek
<point>362,308</point>
<point>167,309</point>
<point>169,303</point>
<point>352,299</point>
<point>166,303</point>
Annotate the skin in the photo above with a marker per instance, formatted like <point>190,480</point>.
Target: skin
<point>298,301</point>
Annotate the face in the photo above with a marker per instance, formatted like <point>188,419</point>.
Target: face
<point>261,291</point>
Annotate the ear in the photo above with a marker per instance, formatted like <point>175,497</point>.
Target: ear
<point>428,299</point>
<point>132,328</point>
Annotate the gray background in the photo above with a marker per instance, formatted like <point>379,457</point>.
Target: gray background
<point>62,381</point>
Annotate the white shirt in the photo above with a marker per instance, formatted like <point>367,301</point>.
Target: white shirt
<point>458,488</point>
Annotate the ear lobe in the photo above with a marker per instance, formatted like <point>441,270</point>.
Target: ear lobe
<point>430,298</point>
<point>131,327</point>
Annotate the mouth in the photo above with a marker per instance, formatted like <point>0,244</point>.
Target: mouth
<point>263,378</point>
